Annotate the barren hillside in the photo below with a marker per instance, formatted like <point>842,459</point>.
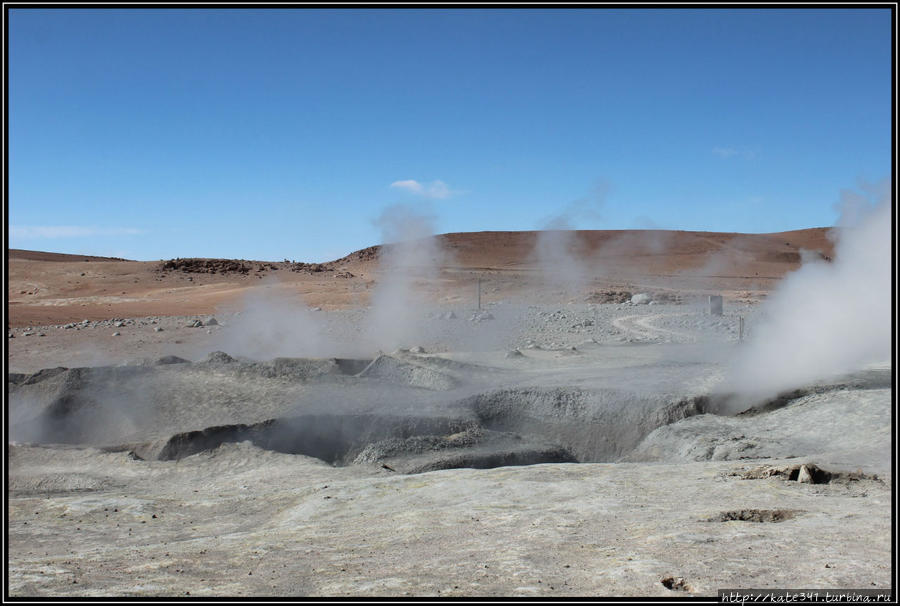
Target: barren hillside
<point>49,288</point>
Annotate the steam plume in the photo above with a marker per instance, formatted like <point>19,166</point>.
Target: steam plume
<point>410,253</point>
<point>557,250</point>
<point>826,319</point>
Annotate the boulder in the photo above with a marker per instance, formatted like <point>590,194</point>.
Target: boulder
<point>641,298</point>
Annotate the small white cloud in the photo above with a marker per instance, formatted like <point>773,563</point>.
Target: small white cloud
<point>69,231</point>
<point>410,185</point>
<point>436,189</point>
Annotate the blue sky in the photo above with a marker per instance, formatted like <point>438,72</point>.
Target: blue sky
<point>278,134</point>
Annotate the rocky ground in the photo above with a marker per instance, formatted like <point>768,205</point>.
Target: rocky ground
<point>242,521</point>
<point>523,450</point>
<point>273,329</point>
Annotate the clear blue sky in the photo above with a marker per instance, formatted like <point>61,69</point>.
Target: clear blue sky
<point>285,133</point>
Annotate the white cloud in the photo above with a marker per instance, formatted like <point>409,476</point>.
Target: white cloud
<point>436,189</point>
<point>410,185</point>
<point>69,231</point>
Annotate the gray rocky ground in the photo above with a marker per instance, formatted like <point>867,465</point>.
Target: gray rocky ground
<point>573,450</point>
<point>271,331</point>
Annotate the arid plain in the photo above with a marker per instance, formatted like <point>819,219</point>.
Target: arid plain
<point>484,414</point>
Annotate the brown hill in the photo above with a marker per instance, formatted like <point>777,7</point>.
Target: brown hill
<point>653,251</point>
<point>36,255</point>
<point>51,288</point>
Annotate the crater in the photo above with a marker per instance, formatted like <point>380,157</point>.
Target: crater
<point>409,414</point>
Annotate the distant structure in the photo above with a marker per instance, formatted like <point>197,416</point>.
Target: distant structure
<point>715,305</point>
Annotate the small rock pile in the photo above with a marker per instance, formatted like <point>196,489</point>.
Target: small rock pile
<point>310,268</point>
<point>366,254</point>
<point>211,266</point>
<point>608,296</point>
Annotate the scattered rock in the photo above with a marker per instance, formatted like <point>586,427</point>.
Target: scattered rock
<point>219,357</point>
<point>515,353</point>
<point>676,584</point>
<point>212,322</point>
<point>609,296</point>
<point>640,299</point>
<point>158,329</point>
<point>210,266</point>
<point>755,515</point>
<point>311,268</point>
<point>807,473</point>
<point>481,316</point>
<point>116,334</point>
<point>195,324</point>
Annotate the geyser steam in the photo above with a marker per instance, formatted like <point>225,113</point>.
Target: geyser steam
<point>410,254</point>
<point>559,253</point>
<point>825,319</point>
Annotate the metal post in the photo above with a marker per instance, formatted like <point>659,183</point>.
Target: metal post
<point>740,328</point>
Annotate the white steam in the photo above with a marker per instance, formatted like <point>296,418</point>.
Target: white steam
<point>275,323</point>
<point>410,257</point>
<point>825,319</point>
<point>560,256</point>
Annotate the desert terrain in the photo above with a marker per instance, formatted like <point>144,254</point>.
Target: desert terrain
<point>485,414</point>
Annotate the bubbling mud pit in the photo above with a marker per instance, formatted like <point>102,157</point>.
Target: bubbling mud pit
<point>404,412</point>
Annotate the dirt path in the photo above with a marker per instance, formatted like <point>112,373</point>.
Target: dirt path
<point>639,326</point>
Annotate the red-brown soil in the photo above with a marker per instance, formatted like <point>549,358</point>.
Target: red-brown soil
<point>53,288</point>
